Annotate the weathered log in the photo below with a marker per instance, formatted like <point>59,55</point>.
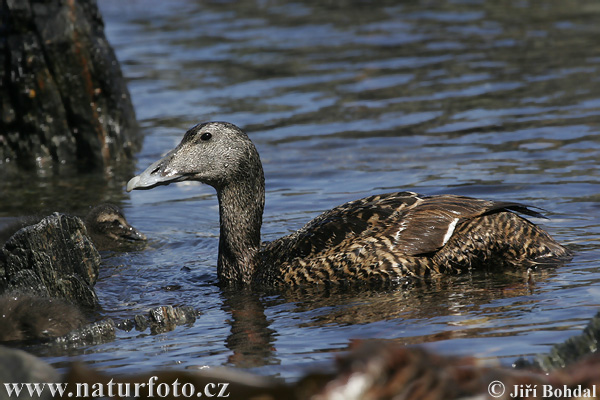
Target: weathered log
<point>63,98</point>
<point>54,258</point>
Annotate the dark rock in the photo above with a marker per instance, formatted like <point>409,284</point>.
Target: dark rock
<point>126,325</point>
<point>140,322</point>
<point>159,320</point>
<point>17,366</point>
<point>54,258</point>
<point>62,94</point>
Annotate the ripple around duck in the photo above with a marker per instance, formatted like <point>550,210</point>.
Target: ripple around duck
<point>487,99</point>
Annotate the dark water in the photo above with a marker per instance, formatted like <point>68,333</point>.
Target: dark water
<point>495,99</point>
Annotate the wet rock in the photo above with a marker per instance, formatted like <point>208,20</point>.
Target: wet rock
<point>17,366</point>
<point>63,99</point>
<point>53,258</point>
<point>47,321</point>
<point>96,333</point>
<point>161,319</point>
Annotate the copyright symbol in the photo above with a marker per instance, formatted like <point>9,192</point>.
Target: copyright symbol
<point>496,389</point>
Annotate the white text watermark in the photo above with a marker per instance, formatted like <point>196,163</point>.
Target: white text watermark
<point>121,389</point>
<point>497,389</point>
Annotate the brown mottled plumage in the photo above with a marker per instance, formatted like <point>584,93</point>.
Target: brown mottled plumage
<point>109,229</point>
<point>378,239</point>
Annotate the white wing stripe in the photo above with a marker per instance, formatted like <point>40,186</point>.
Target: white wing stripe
<point>450,231</point>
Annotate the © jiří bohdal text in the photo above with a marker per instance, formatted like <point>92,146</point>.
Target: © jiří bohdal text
<point>523,391</point>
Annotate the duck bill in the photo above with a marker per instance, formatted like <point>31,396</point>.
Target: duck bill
<point>156,174</point>
<point>133,234</point>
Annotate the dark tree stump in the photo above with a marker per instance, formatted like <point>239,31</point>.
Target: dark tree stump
<point>63,98</point>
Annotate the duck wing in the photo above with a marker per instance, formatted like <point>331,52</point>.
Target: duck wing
<point>408,223</point>
<point>430,223</point>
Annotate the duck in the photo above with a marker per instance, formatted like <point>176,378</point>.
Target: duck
<point>381,239</point>
<point>109,229</point>
<point>30,317</point>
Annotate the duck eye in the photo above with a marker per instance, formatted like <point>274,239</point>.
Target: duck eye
<point>206,136</point>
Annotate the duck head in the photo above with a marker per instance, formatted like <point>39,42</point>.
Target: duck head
<point>215,153</point>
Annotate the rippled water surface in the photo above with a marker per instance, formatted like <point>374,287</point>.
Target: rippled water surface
<point>495,99</point>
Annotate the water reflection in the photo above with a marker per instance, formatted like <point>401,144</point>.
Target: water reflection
<point>251,340</point>
<point>472,305</point>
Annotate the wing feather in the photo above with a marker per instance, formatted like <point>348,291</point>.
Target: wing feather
<point>412,224</point>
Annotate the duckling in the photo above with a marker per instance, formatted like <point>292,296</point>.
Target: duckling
<point>105,224</point>
<point>109,229</point>
<point>30,317</point>
<point>380,239</point>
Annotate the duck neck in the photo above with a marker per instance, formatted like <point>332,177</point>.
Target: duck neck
<point>241,206</point>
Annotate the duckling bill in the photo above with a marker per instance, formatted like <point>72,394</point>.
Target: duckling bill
<point>378,239</point>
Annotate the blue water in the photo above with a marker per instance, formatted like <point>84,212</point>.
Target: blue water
<point>494,99</point>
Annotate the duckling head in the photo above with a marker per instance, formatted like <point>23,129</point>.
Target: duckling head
<point>108,227</point>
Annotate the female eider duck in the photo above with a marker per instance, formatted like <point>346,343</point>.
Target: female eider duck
<point>378,239</point>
